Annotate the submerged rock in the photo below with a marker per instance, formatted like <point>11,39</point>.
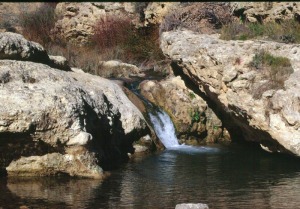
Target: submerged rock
<point>74,120</point>
<point>192,206</point>
<point>220,69</point>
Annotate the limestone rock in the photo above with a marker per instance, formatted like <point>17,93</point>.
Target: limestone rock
<point>75,165</point>
<point>75,119</point>
<point>117,69</point>
<point>188,111</point>
<point>192,206</point>
<point>14,46</point>
<point>156,11</point>
<point>59,62</point>
<point>267,11</point>
<point>77,20</point>
<point>273,120</point>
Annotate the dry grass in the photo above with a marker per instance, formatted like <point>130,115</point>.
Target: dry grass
<point>129,43</point>
<point>287,31</point>
<point>274,69</point>
<point>37,25</point>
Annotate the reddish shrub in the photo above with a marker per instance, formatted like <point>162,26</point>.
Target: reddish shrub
<point>111,31</point>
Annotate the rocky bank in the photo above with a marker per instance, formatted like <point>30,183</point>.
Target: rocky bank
<point>55,121</point>
<point>219,72</point>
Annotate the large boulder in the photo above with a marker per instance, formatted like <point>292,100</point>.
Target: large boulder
<point>220,69</point>
<point>14,46</point>
<point>194,121</point>
<point>54,121</point>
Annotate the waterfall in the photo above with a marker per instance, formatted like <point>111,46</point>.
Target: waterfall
<point>164,128</point>
<point>165,131</point>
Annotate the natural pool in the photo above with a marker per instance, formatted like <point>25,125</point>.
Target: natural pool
<point>238,176</point>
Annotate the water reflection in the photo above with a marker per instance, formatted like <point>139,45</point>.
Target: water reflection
<point>58,192</point>
<point>235,177</point>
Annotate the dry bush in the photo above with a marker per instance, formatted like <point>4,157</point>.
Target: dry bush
<point>111,31</point>
<point>37,25</point>
<point>129,44</point>
<point>198,17</point>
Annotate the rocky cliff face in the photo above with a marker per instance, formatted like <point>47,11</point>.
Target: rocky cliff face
<point>219,71</point>
<point>54,121</point>
<point>76,21</point>
<point>266,11</point>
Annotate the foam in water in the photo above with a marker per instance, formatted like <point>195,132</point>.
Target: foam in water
<point>165,131</point>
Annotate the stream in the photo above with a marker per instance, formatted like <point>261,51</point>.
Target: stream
<point>234,176</point>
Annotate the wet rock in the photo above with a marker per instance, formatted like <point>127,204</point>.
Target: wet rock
<point>192,206</point>
<point>194,121</point>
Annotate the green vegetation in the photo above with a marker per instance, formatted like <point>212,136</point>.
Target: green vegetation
<point>195,116</point>
<point>286,31</point>
<point>276,71</point>
<point>192,95</point>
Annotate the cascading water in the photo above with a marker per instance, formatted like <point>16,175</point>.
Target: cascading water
<point>164,128</point>
<point>165,131</point>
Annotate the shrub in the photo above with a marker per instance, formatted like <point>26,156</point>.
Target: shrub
<point>132,45</point>
<point>37,25</point>
<point>198,17</point>
<point>111,31</point>
<point>276,71</point>
<point>195,116</point>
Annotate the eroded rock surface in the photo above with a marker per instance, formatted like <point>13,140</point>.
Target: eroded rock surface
<point>77,20</point>
<point>77,120</point>
<point>14,46</point>
<point>267,11</point>
<point>220,70</point>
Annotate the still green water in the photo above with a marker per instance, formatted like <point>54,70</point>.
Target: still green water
<point>239,176</point>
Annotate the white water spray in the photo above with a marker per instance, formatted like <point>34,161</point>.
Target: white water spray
<point>164,129</point>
